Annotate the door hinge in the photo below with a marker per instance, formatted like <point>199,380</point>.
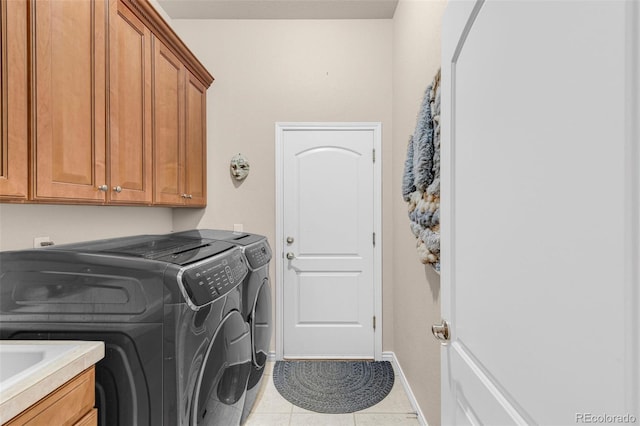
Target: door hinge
<point>374,322</point>
<point>374,239</point>
<point>374,155</point>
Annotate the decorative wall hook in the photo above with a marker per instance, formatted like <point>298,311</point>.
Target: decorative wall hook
<point>239,166</point>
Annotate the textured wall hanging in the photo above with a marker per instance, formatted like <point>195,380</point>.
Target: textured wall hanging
<point>421,180</point>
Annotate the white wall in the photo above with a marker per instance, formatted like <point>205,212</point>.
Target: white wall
<point>268,71</point>
<point>20,223</point>
<point>416,288</point>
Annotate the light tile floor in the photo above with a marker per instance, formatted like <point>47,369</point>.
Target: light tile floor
<point>271,409</point>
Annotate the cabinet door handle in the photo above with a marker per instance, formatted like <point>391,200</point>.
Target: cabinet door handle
<point>103,188</point>
<point>118,188</point>
<point>184,195</point>
<point>190,196</point>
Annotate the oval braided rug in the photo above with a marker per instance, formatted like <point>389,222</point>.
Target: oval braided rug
<point>333,386</point>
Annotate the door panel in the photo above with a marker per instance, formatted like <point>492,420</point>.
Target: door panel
<point>533,273</point>
<point>14,140</point>
<point>328,211</point>
<point>196,142</point>
<point>70,63</point>
<point>168,120</point>
<point>326,215</point>
<point>130,107</point>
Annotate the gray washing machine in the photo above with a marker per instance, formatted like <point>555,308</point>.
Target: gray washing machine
<point>256,306</point>
<point>169,309</point>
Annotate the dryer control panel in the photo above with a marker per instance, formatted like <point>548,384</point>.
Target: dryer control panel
<point>258,254</point>
<point>212,278</point>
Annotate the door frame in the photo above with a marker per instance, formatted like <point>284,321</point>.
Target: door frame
<point>281,128</point>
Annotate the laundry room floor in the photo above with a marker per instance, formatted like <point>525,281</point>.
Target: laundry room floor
<point>271,409</point>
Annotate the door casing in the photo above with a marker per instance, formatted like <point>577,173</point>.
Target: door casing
<point>281,128</point>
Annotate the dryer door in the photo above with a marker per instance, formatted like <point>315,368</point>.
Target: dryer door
<point>260,322</point>
<point>222,382</point>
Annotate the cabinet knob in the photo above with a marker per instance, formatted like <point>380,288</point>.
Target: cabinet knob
<point>118,188</point>
<point>184,195</point>
<point>190,196</point>
<point>103,188</point>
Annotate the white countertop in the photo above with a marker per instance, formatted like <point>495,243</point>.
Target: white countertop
<point>55,363</point>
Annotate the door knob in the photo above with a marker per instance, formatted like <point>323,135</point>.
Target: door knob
<point>118,188</point>
<point>103,188</point>
<point>289,240</point>
<point>441,332</point>
<point>290,256</point>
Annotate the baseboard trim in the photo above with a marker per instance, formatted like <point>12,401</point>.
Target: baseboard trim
<point>391,357</point>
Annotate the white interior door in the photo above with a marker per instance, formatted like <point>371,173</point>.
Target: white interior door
<point>327,239</point>
<point>540,223</point>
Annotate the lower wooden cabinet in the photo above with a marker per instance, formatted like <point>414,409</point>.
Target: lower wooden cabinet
<point>91,419</point>
<point>72,404</point>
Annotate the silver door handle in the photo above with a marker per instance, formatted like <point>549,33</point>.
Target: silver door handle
<point>289,240</point>
<point>103,188</point>
<point>441,332</point>
<point>290,256</point>
<point>118,188</point>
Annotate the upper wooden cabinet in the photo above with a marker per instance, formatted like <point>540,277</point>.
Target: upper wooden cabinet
<point>129,154</point>
<point>179,105</point>
<point>168,109</point>
<point>14,163</point>
<point>98,114</point>
<point>69,42</point>
<point>195,142</point>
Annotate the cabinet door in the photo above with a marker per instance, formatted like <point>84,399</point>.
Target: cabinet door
<point>70,66</point>
<point>129,151</point>
<point>168,125</point>
<point>195,142</point>
<point>13,101</point>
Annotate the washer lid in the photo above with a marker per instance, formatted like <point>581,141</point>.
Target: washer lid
<point>168,248</point>
<point>237,238</point>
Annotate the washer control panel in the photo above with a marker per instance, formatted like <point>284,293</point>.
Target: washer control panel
<point>258,254</point>
<point>211,279</point>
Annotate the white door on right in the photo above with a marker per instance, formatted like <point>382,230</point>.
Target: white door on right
<point>540,213</point>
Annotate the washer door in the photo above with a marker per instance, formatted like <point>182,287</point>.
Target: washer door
<point>260,322</point>
<point>221,386</point>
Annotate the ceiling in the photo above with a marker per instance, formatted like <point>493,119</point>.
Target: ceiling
<point>279,9</point>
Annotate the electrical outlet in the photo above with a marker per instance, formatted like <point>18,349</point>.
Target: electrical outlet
<point>237,227</point>
<point>39,242</point>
